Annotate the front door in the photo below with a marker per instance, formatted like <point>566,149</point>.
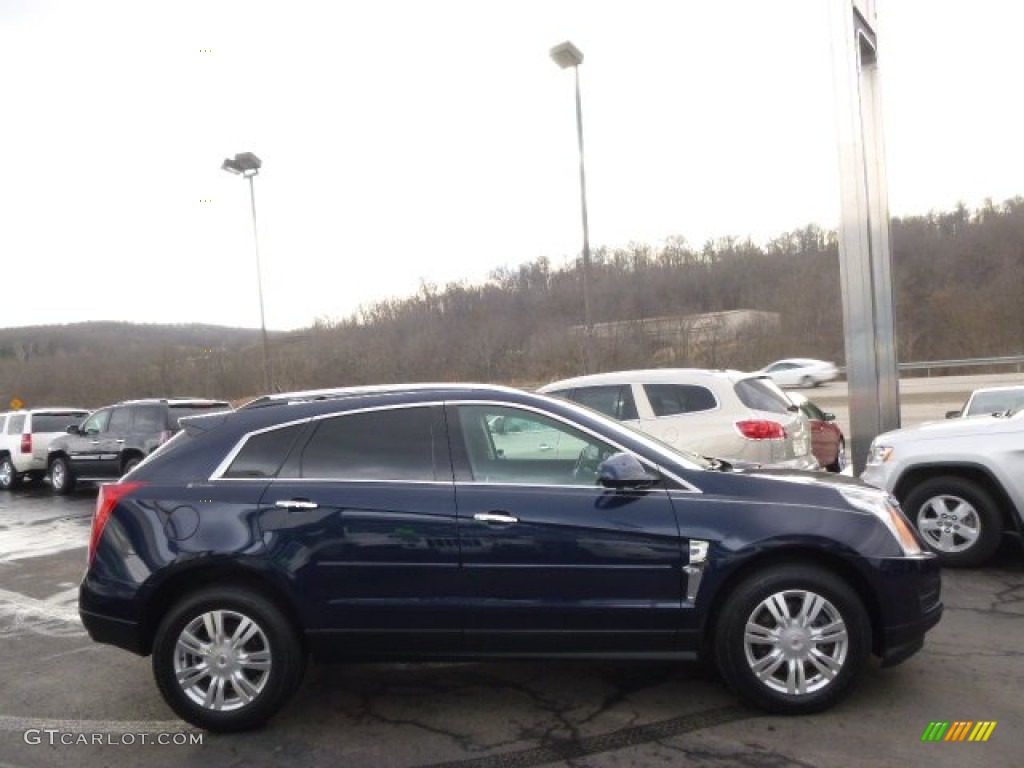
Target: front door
<point>552,561</point>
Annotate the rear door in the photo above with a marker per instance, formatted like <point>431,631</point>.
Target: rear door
<point>361,519</point>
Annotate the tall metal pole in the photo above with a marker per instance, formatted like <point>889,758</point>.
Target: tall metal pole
<point>259,285</point>
<point>588,328</point>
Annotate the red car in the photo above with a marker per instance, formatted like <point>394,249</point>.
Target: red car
<point>827,442</point>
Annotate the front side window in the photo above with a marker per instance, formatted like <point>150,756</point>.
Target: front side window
<point>97,422</point>
<point>393,444</point>
<point>540,450</point>
<point>674,399</point>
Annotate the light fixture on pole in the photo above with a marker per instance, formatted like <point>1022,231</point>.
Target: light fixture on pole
<point>568,55</point>
<point>247,165</point>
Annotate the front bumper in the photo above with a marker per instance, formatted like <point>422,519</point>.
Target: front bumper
<point>909,593</point>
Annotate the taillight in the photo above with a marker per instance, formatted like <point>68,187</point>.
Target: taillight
<point>26,443</point>
<point>109,495</point>
<point>761,429</point>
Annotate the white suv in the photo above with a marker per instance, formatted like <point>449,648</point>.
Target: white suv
<point>740,417</point>
<point>961,482</point>
<point>25,437</point>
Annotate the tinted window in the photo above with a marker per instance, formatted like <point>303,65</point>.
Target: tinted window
<point>148,418</point>
<point>395,444</point>
<point>615,401</point>
<point>263,454</point>
<point>996,402</point>
<point>673,399</point>
<point>120,420</point>
<point>811,411</point>
<point>16,424</point>
<point>97,422</point>
<point>56,422</point>
<point>177,412</point>
<point>762,395</point>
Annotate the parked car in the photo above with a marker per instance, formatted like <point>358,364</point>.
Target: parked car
<point>827,441</point>
<point>739,417</point>
<point>24,439</point>
<point>386,524</point>
<point>960,481</point>
<point>800,372</point>
<point>113,440</point>
<point>989,400</point>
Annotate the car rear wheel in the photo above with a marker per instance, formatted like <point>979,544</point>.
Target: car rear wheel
<point>792,639</point>
<point>131,464</point>
<point>227,659</point>
<point>9,479</point>
<point>840,463</point>
<point>957,518</point>
<point>61,476</point>
<point>808,382</point>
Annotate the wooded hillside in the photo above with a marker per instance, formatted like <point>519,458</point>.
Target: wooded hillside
<point>958,282</point>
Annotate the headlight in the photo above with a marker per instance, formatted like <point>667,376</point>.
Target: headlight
<point>879,454</point>
<point>885,508</point>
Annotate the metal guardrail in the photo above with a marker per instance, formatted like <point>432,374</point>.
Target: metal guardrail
<point>974,362</point>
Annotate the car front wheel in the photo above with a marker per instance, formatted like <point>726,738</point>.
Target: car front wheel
<point>792,640</point>
<point>226,659</point>
<point>61,476</point>
<point>957,518</point>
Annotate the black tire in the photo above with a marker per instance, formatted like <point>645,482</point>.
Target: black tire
<point>927,502</point>
<point>9,479</point>
<point>790,584</point>
<point>131,464</point>
<point>268,690</point>
<point>837,465</point>
<point>808,382</point>
<point>61,476</point>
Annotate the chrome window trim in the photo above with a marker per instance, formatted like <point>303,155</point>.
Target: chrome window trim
<point>686,487</point>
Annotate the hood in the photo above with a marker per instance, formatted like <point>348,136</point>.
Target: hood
<point>975,425</point>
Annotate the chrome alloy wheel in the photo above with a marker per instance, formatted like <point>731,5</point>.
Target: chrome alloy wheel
<point>795,642</point>
<point>949,523</point>
<point>6,473</point>
<point>222,660</point>
<point>58,475</point>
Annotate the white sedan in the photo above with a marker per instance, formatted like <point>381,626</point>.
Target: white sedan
<point>800,372</point>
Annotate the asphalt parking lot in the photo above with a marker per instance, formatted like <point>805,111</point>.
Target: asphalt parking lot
<point>67,701</point>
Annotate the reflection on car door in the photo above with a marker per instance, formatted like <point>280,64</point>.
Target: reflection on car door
<point>362,518</point>
<point>553,562</point>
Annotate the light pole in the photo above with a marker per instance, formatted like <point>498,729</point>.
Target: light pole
<point>568,55</point>
<point>247,165</point>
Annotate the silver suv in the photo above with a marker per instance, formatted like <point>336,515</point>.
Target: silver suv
<point>24,439</point>
<point>960,481</point>
<point>740,417</point>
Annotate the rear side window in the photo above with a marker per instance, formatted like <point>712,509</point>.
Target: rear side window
<point>396,444</point>
<point>178,412</point>
<point>16,424</point>
<point>56,422</point>
<point>673,399</point>
<point>148,418</point>
<point>263,454</point>
<point>615,400</point>
<point>120,420</point>
<point>762,395</point>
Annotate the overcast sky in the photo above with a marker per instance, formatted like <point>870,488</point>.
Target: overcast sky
<point>435,140</point>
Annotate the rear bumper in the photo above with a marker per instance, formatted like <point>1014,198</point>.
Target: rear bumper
<point>118,632</point>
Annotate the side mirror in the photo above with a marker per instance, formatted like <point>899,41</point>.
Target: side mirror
<point>73,430</point>
<point>829,416</point>
<point>953,414</point>
<point>623,470</point>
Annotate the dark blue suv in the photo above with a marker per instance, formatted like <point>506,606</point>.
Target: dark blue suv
<point>477,522</point>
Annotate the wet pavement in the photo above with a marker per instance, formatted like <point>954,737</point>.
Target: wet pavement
<point>66,701</point>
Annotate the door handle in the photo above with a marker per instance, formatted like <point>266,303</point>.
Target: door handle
<point>495,517</point>
<point>95,442</point>
<point>120,441</point>
<point>543,447</point>
<point>296,504</point>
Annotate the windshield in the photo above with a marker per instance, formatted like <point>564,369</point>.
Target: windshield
<point>998,401</point>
